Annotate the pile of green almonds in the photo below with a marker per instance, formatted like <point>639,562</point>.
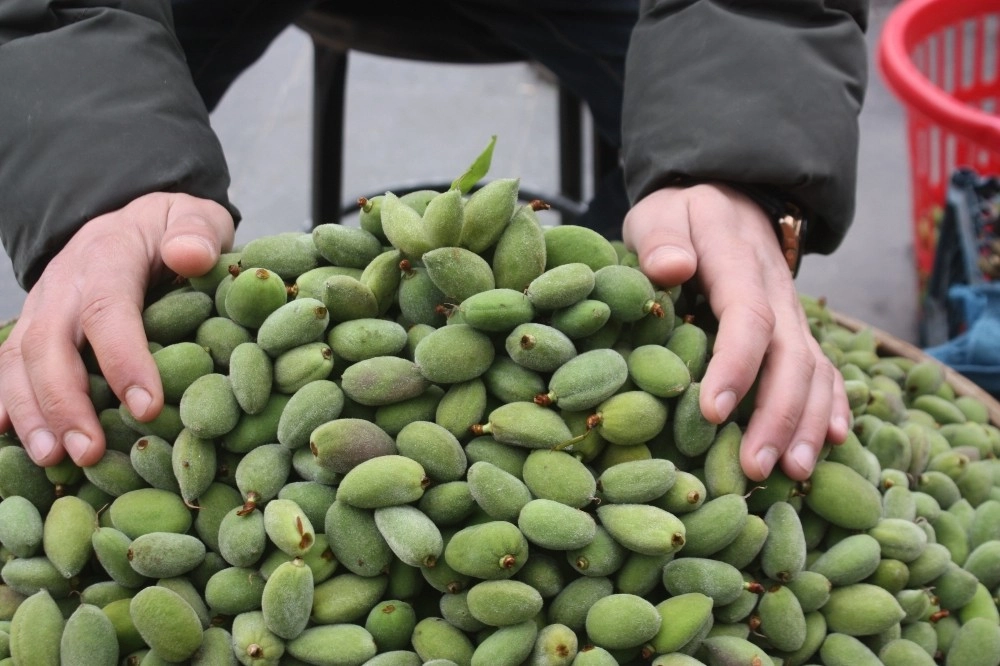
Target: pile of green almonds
<point>454,436</point>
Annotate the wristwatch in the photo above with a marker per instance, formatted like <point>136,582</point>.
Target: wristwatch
<point>790,225</point>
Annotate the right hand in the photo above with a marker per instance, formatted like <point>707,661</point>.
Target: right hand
<point>723,239</point>
<point>93,292</point>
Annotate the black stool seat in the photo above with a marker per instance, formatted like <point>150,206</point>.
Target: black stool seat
<point>408,30</point>
<point>420,31</point>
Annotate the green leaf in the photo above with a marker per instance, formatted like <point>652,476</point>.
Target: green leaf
<point>477,170</point>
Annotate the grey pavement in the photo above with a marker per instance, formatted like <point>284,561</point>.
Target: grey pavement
<point>409,122</point>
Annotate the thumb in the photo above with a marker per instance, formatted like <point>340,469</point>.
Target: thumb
<point>658,229</point>
<point>197,231</point>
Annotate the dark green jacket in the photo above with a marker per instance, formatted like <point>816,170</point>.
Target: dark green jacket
<point>97,108</point>
<point>755,92</point>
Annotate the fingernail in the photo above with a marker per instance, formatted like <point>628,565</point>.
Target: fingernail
<point>76,444</point>
<point>840,425</point>
<point>804,456</point>
<point>766,458</point>
<point>41,444</point>
<point>724,403</point>
<point>669,254</point>
<point>193,242</point>
<point>138,401</point>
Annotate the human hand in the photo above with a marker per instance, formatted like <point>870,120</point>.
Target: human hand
<point>93,291</point>
<point>725,240</point>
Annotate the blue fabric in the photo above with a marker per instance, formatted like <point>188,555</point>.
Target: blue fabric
<point>976,352</point>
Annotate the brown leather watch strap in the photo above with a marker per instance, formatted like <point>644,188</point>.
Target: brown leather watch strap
<point>790,229</point>
<point>787,218</point>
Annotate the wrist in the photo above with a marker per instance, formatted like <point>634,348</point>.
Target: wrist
<point>785,216</point>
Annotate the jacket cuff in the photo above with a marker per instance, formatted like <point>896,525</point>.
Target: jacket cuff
<point>100,110</point>
<point>767,95</point>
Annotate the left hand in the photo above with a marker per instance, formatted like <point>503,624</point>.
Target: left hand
<point>723,239</point>
<point>93,291</point>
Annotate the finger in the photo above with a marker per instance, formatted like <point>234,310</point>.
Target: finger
<point>20,405</point>
<point>840,413</point>
<point>61,388</point>
<point>5,423</point>
<point>112,322</point>
<point>784,385</point>
<point>746,327</point>
<point>800,458</point>
<point>743,336</point>
<point>657,229</point>
<point>197,230</point>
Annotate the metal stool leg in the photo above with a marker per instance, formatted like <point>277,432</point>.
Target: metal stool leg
<point>330,78</point>
<point>605,157</point>
<point>570,148</point>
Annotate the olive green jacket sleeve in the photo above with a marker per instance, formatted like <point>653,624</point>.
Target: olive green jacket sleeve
<point>97,109</point>
<point>764,94</point>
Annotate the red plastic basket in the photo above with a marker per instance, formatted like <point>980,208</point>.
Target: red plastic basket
<point>941,58</point>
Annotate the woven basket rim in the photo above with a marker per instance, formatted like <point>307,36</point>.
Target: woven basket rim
<point>891,345</point>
